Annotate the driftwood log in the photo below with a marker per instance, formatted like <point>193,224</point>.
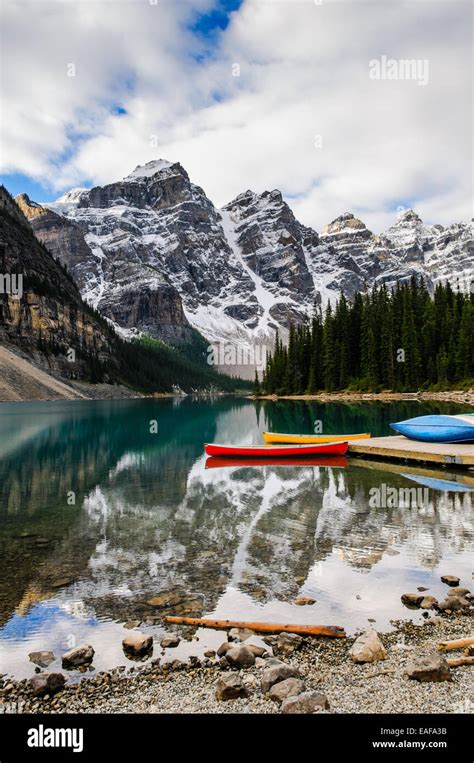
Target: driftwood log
<point>332,631</point>
<point>459,643</point>
<point>456,662</point>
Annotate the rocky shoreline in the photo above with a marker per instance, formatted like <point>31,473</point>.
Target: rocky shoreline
<point>462,397</point>
<point>405,674</point>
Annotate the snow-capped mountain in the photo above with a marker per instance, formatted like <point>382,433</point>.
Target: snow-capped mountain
<point>153,254</point>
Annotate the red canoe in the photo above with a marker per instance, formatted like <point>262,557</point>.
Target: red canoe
<point>214,462</point>
<point>277,451</point>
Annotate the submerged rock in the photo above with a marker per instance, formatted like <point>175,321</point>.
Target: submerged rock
<point>43,659</point>
<point>302,601</point>
<point>131,624</point>
<point>429,602</point>
<point>368,648</point>
<point>450,580</point>
<point>137,644</point>
<point>169,642</point>
<point>240,634</point>
<point>458,591</point>
<point>78,657</point>
<point>454,603</point>
<point>412,600</point>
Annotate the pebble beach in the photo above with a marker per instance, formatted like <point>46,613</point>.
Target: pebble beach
<point>323,665</point>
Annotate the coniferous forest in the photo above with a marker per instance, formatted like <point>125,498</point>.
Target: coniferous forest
<point>400,339</point>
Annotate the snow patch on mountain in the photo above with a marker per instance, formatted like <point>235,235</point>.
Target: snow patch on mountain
<point>159,254</point>
<point>148,170</point>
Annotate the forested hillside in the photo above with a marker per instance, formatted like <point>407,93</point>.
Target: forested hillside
<point>400,339</point>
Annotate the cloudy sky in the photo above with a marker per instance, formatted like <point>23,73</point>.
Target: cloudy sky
<point>256,94</point>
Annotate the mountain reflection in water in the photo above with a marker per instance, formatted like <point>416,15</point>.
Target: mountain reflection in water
<point>98,516</point>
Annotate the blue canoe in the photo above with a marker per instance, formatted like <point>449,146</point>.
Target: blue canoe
<point>438,428</point>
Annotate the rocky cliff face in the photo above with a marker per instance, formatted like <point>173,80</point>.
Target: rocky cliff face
<point>152,305</point>
<point>152,253</point>
<point>48,321</point>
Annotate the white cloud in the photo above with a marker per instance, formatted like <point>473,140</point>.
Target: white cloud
<point>303,72</point>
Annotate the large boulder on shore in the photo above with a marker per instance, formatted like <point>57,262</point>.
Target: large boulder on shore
<point>230,686</point>
<point>290,687</point>
<point>368,648</point>
<point>307,702</point>
<point>277,672</point>
<point>430,667</point>
<point>240,656</point>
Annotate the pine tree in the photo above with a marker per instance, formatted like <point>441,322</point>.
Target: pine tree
<point>256,385</point>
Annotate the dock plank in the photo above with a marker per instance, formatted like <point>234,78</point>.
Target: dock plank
<point>401,448</point>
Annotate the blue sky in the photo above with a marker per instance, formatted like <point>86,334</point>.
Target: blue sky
<point>238,91</point>
<point>206,27</point>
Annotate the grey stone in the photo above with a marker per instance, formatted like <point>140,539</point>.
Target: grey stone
<point>412,599</point>
<point>451,580</point>
<point>431,667</point>
<point>230,686</point>
<point>290,687</point>
<point>287,643</point>
<point>307,702</point>
<point>240,656</point>
<point>168,642</point>
<point>368,648</point>
<point>137,644</point>
<point>240,634</point>
<point>43,659</point>
<point>276,673</point>
<point>78,657</point>
<point>47,683</point>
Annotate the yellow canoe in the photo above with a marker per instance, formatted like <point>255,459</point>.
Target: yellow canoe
<point>312,438</point>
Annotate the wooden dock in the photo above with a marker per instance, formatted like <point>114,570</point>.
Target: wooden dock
<point>434,471</point>
<point>402,449</point>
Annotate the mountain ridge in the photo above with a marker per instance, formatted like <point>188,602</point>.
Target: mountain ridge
<point>48,323</point>
<point>159,257</point>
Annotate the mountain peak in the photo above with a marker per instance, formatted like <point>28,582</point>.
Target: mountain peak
<point>408,216</point>
<point>28,207</point>
<point>149,169</point>
<point>71,197</point>
<point>346,222</point>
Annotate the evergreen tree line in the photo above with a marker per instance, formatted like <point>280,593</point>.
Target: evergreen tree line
<point>398,339</point>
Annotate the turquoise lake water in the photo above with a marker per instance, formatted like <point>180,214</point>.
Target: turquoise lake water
<point>106,505</point>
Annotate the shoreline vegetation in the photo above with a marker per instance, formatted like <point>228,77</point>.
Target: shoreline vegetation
<point>398,339</point>
<point>463,397</point>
